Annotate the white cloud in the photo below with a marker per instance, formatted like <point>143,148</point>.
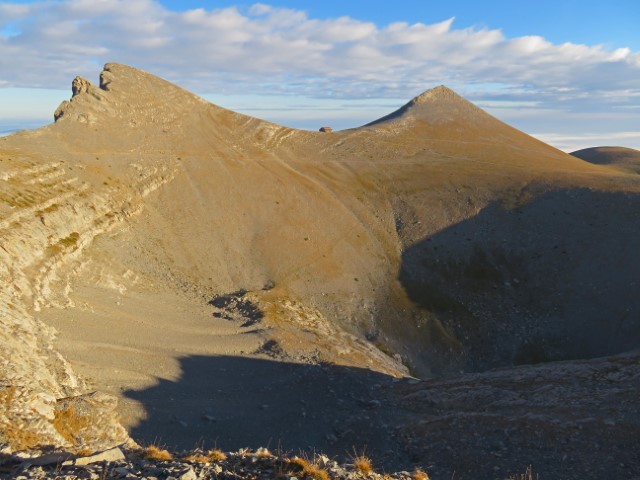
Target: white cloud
<point>571,143</point>
<point>264,45</point>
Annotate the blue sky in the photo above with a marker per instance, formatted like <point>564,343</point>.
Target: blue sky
<point>614,22</point>
<point>567,72</point>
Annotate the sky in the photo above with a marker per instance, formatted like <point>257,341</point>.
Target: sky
<point>567,72</point>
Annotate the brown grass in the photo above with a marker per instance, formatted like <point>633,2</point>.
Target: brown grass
<point>216,455</point>
<point>362,463</point>
<point>420,475</point>
<point>263,453</point>
<point>196,458</point>
<point>153,452</point>
<point>308,469</point>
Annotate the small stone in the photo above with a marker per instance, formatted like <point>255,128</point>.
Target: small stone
<point>112,455</point>
<point>188,475</point>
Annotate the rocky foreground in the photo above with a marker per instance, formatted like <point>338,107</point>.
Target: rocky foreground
<point>566,420</point>
<point>154,463</point>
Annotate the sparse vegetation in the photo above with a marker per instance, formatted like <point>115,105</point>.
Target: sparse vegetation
<point>362,463</point>
<point>420,475</point>
<point>216,455</point>
<point>84,452</point>
<point>308,468</point>
<point>196,458</point>
<point>263,453</point>
<point>153,452</point>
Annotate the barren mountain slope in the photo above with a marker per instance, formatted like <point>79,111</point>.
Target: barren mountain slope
<point>151,227</point>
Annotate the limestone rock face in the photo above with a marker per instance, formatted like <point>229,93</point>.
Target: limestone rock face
<point>51,211</point>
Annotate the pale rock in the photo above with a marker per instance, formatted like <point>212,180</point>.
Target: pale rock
<point>111,455</point>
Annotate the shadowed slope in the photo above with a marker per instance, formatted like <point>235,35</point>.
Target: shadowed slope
<point>551,279</point>
<point>280,405</point>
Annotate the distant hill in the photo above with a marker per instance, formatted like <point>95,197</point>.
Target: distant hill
<point>627,158</point>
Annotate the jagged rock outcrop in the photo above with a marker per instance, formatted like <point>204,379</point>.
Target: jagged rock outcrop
<point>50,214</point>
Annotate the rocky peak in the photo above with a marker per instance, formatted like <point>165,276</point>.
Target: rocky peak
<point>438,105</point>
<point>438,93</point>
<point>80,85</point>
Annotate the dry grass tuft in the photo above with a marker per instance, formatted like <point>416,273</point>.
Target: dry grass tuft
<point>153,452</point>
<point>196,458</point>
<point>216,455</point>
<point>308,469</point>
<point>420,475</point>
<point>362,464</point>
<point>84,452</point>
<point>263,453</point>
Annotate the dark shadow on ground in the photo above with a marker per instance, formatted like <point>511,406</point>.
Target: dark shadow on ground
<point>537,277</point>
<point>235,402</point>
